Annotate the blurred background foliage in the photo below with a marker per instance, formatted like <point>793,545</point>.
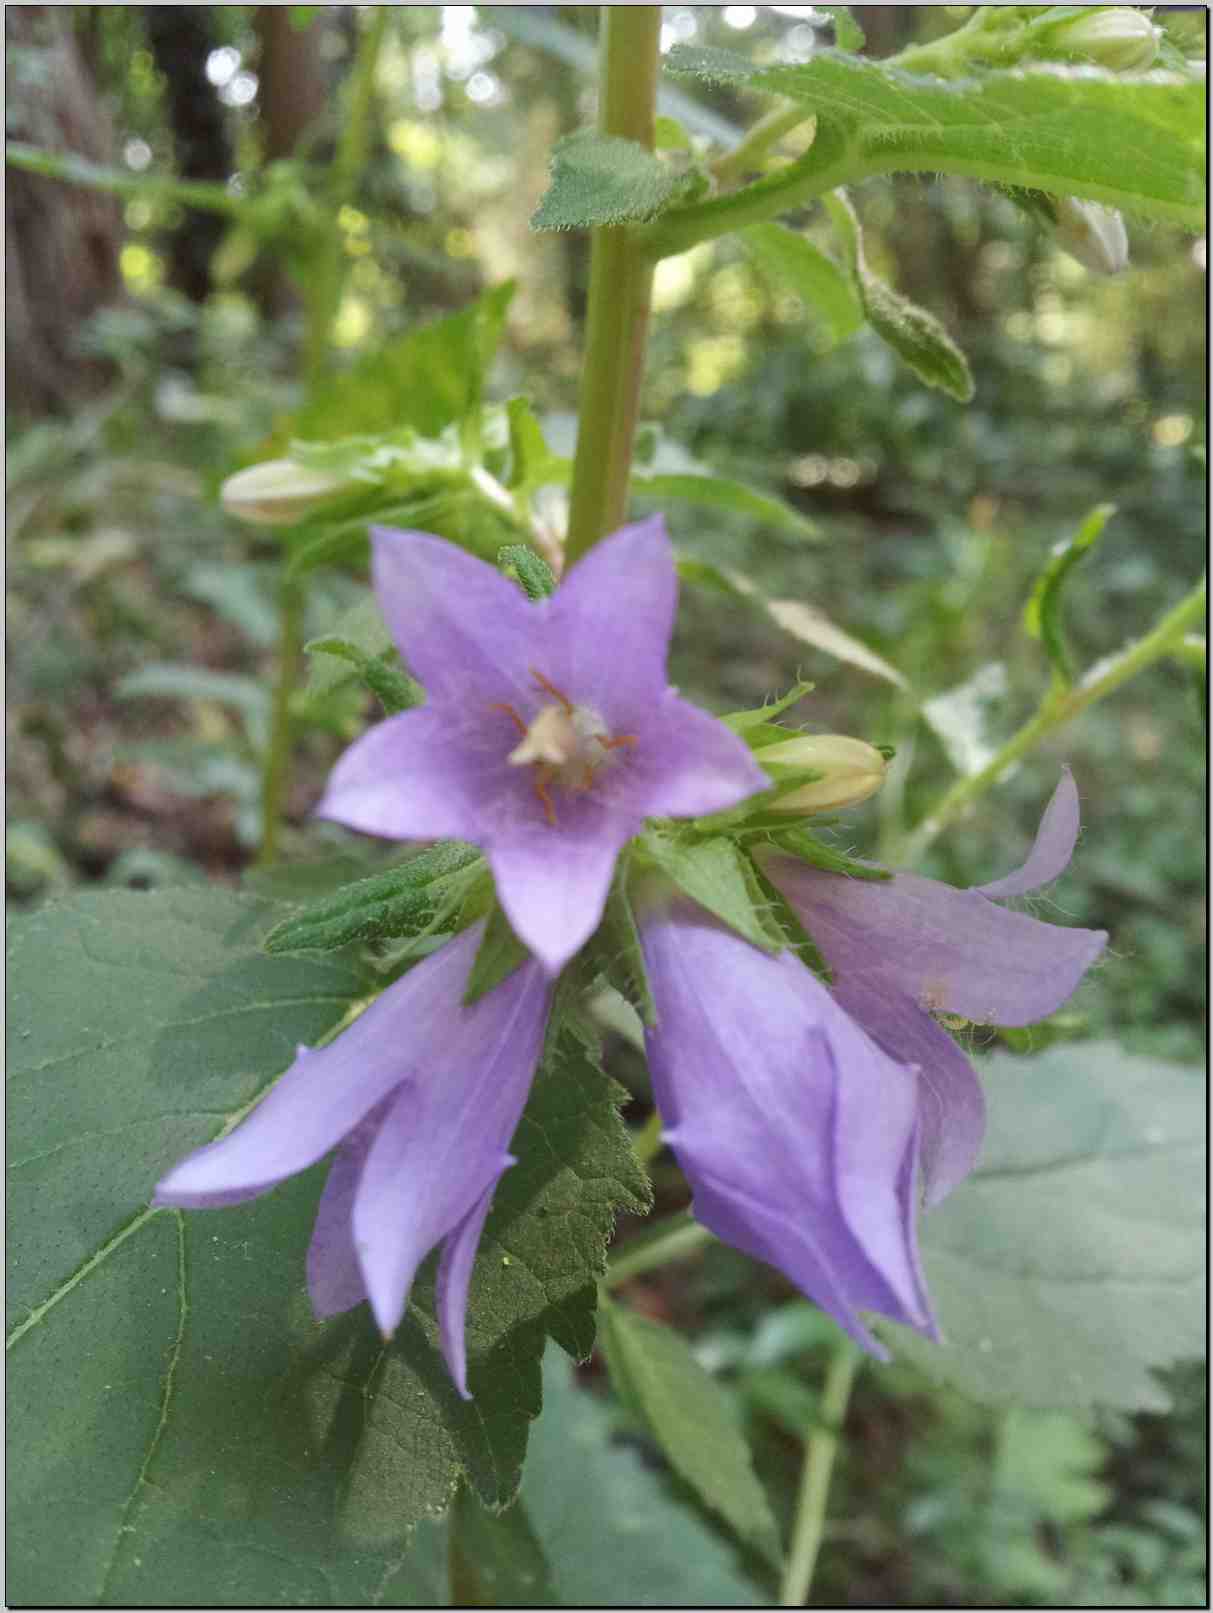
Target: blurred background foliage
<point>154,347</point>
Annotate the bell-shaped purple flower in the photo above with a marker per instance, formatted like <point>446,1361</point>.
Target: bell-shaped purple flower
<point>799,1136</point>
<point>420,1097</point>
<point>903,949</point>
<point>550,732</point>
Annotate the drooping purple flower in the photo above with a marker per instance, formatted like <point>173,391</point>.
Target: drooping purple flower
<point>902,949</point>
<point>798,1134</point>
<point>550,732</point>
<point>419,1097</point>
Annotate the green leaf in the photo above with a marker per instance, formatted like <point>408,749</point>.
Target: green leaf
<point>692,1419</point>
<point>1135,143</point>
<point>411,899</point>
<point>1042,616</point>
<point>603,179</point>
<point>800,843</point>
<point>184,1431</point>
<point>171,680</point>
<point>615,947</point>
<point>500,952</point>
<point>804,622</point>
<point>1072,1261</point>
<point>533,463</point>
<point>788,258</point>
<point>426,379</point>
<point>614,1535</point>
<point>915,335</point>
<point>495,1559</point>
<point>756,721</point>
<point>361,646</point>
<point>715,874</point>
<point>529,570</point>
<point>847,32</point>
<point>721,493</point>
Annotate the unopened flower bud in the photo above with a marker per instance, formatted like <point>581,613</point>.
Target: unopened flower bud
<point>1094,235</point>
<point>851,770</point>
<point>278,492</point>
<point>1120,38</point>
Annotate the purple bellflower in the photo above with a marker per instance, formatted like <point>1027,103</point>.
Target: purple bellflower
<point>798,1135</point>
<point>903,949</point>
<point>550,732</point>
<point>420,1097</point>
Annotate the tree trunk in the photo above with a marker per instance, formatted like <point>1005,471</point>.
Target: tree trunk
<point>61,246</point>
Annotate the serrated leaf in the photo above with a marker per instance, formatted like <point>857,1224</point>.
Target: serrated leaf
<point>411,899</point>
<point>715,874</point>
<point>722,493</point>
<point>1135,143</point>
<point>1042,616</point>
<point>801,620</point>
<point>1072,1261</point>
<point>691,1419</point>
<point>789,259</point>
<point>185,1432</point>
<point>915,335</point>
<point>603,179</point>
<point>616,1537</point>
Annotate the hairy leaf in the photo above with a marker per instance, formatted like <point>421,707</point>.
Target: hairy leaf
<point>603,179</point>
<point>715,874</point>
<point>1042,616</point>
<point>789,259</point>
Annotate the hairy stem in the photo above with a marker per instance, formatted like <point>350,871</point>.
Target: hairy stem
<point>621,283</point>
<point>1060,706</point>
<point>820,1449</point>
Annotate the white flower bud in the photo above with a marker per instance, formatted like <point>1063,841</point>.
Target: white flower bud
<point>852,771</point>
<point>1120,38</point>
<point>278,492</point>
<point>1094,235</point>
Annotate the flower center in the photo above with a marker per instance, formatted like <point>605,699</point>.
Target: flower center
<point>566,744</point>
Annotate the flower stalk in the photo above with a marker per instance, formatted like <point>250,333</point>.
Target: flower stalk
<point>1060,706</point>
<point>621,284</point>
<point>821,1447</point>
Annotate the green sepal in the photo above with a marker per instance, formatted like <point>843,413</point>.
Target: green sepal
<point>616,950</point>
<point>1042,617</point>
<point>500,952</point>
<point>800,843</point>
<point>383,675</point>
<point>406,901</point>
<point>780,913</point>
<point>749,723</point>
<point>529,570</point>
<point>719,877</point>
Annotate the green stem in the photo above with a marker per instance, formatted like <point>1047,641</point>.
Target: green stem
<point>748,153</point>
<point>621,284</point>
<point>646,1143</point>
<point>1060,706</point>
<point>276,772</point>
<point>672,1240</point>
<point>821,1447</point>
<point>74,170</point>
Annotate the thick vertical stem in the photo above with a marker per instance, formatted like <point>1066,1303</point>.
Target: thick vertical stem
<point>621,283</point>
<point>821,1448</point>
<point>276,774</point>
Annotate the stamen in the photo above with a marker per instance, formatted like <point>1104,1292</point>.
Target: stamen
<point>543,777</point>
<point>500,705</point>
<point>609,743</point>
<point>550,688</point>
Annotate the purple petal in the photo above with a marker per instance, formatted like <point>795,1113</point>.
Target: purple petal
<point>454,1278</point>
<point>952,1105</point>
<point>794,1129</point>
<point>465,631</point>
<point>685,764</point>
<point>410,778</point>
<point>553,882</point>
<point>609,623</point>
<point>327,1091</point>
<point>1051,850</point>
<point>948,950</point>
<point>442,1144</point>
<point>334,1278</point>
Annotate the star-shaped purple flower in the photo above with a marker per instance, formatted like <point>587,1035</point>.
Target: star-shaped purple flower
<point>550,732</point>
<point>419,1097</point>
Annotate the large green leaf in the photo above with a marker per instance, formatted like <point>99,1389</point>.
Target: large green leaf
<point>817,280</point>
<point>1072,1261</point>
<point>691,1418</point>
<point>1130,142</point>
<point>184,1431</point>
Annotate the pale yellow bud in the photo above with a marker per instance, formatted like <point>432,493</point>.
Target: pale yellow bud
<point>852,771</point>
<point>1093,234</point>
<point>278,492</point>
<point>1120,38</point>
